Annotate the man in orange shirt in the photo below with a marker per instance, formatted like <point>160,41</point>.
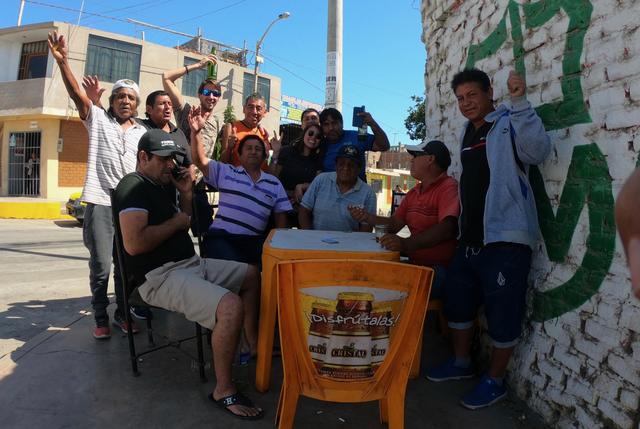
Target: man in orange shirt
<point>430,210</point>
<point>254,110</point>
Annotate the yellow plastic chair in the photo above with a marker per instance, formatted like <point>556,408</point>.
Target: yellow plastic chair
<point>332,315</point>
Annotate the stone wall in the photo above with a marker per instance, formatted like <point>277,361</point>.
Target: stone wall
<point>579,361</point>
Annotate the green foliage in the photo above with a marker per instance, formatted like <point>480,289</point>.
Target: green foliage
<point>229,116</point>
<point>416,128</point>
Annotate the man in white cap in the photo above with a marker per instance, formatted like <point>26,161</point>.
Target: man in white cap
<point>113,144</point>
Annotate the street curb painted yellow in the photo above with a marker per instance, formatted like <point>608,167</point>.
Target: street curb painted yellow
<point>36,210</point>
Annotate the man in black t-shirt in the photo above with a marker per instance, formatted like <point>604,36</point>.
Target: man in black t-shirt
<point>159,253</point>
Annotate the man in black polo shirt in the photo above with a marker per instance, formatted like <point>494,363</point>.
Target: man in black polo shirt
<point>159,253</point>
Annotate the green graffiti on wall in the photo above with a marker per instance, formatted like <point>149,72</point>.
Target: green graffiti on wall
<point>571,109</point>
<point>588,180</point>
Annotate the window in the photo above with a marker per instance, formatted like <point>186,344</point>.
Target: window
<point>264,87</point>
<point>191,81</point>
<point>33,60</point>
<point>112,60</point>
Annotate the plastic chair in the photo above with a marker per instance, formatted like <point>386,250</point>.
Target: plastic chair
<point>375,293</point>
<point>132,297</point>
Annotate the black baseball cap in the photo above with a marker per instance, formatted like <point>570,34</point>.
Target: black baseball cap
<point>435,148</point>
<point>159,142</point>
<point>349,151</point>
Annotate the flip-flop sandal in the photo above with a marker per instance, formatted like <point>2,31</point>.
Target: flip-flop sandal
<point>236,399</point>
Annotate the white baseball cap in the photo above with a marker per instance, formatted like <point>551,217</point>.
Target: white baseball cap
<point>126,83</point>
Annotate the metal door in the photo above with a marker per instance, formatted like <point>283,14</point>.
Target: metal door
<point>24,164</point>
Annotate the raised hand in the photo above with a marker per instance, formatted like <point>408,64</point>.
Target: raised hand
<point>196,120</point>
<point>92,88</point>
<point>516,84</point>
<point>367,118</point>
<point>276,143</point>
<point>57,46</point>
<point>206,60</point>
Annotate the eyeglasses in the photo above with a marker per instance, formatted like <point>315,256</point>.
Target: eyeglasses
<point>314,134</point>
<point>207,92</point>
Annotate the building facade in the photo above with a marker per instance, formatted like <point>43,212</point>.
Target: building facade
<point>43,144</point>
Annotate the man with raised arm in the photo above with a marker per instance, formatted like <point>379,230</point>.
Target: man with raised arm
<point>113,143</point>
<point>498,228</point>
<point>209,93</point>
<point>248,197</point>
<point>159,255</point>
<point>336,137</point>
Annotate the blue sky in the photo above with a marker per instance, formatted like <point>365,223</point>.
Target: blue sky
<point>383,57</point>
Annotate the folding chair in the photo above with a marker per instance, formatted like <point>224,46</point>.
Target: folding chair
<point>132,297</point>
<point>348,332</point>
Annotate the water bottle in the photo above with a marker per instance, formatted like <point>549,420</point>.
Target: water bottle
<point>212,68</point>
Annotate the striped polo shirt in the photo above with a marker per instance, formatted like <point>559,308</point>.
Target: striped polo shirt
<point>244,206</point>
<point>112,154</point>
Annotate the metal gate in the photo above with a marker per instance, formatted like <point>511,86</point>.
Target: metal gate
<point>24,164</point>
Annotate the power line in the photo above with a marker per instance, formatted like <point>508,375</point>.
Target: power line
<point>69,9</point>
<point>206,14</point>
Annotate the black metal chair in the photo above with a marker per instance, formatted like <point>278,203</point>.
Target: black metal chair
<point>132,297</point>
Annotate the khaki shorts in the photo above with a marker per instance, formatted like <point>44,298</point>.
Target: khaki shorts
<point>193,287</point>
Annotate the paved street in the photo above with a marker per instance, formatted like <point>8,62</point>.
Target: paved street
<point>67,378</point>
<point>44,278</point>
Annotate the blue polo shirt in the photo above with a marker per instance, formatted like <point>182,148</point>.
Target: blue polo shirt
<point>348,138</point>
<point>329,205</point>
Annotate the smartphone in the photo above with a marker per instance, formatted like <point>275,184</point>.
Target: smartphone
<point>357,120</point>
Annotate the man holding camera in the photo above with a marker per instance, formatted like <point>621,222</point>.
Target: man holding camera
<point>159,254</point>
<point>336,136</point>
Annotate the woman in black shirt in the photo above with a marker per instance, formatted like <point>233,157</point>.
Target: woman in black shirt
<point>297,165</point>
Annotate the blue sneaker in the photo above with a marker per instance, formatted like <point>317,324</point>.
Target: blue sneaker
<point>448,371</point>
<point>487,392</point>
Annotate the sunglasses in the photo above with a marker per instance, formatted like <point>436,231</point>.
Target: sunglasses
<point>314,134</point>
<point>208,92</point>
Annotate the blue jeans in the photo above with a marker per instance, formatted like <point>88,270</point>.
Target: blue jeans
<point>220,244</point>
<point>496,276</point>
<point>97,234</point>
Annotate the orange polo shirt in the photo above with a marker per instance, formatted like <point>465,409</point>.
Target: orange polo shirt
<point>422,208</point>
<point>241,131</point>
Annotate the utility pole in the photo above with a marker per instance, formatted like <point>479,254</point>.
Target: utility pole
<point>333,85</point>
<point>22,2</point>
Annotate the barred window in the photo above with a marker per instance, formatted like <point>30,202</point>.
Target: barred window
<point>33,60</point>
<point>264,88</point>
<point>112,60</point>
<point>191,81</point>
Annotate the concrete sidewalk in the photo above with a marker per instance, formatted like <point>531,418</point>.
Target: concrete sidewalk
<point>65,378</point>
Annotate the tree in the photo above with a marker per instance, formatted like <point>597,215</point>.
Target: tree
<point>416,128</point>
<point>229,116</point>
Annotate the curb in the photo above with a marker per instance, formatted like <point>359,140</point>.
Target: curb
<point>32,210</point>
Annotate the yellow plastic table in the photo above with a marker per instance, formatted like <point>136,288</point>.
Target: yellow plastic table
<point>294,244</point>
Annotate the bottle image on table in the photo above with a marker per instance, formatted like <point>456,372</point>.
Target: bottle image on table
<point>349,354</point>
<point>212,68</point>
<point>320,328</point>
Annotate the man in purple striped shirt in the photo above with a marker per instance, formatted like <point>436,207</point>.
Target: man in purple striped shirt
<point>248,196</point>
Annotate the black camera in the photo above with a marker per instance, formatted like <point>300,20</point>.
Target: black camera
<point>180,160</point>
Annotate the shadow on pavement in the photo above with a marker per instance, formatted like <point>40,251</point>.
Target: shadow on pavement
<point>68,379</point>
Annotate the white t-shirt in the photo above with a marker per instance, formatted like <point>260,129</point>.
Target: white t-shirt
<point>112,154</point>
